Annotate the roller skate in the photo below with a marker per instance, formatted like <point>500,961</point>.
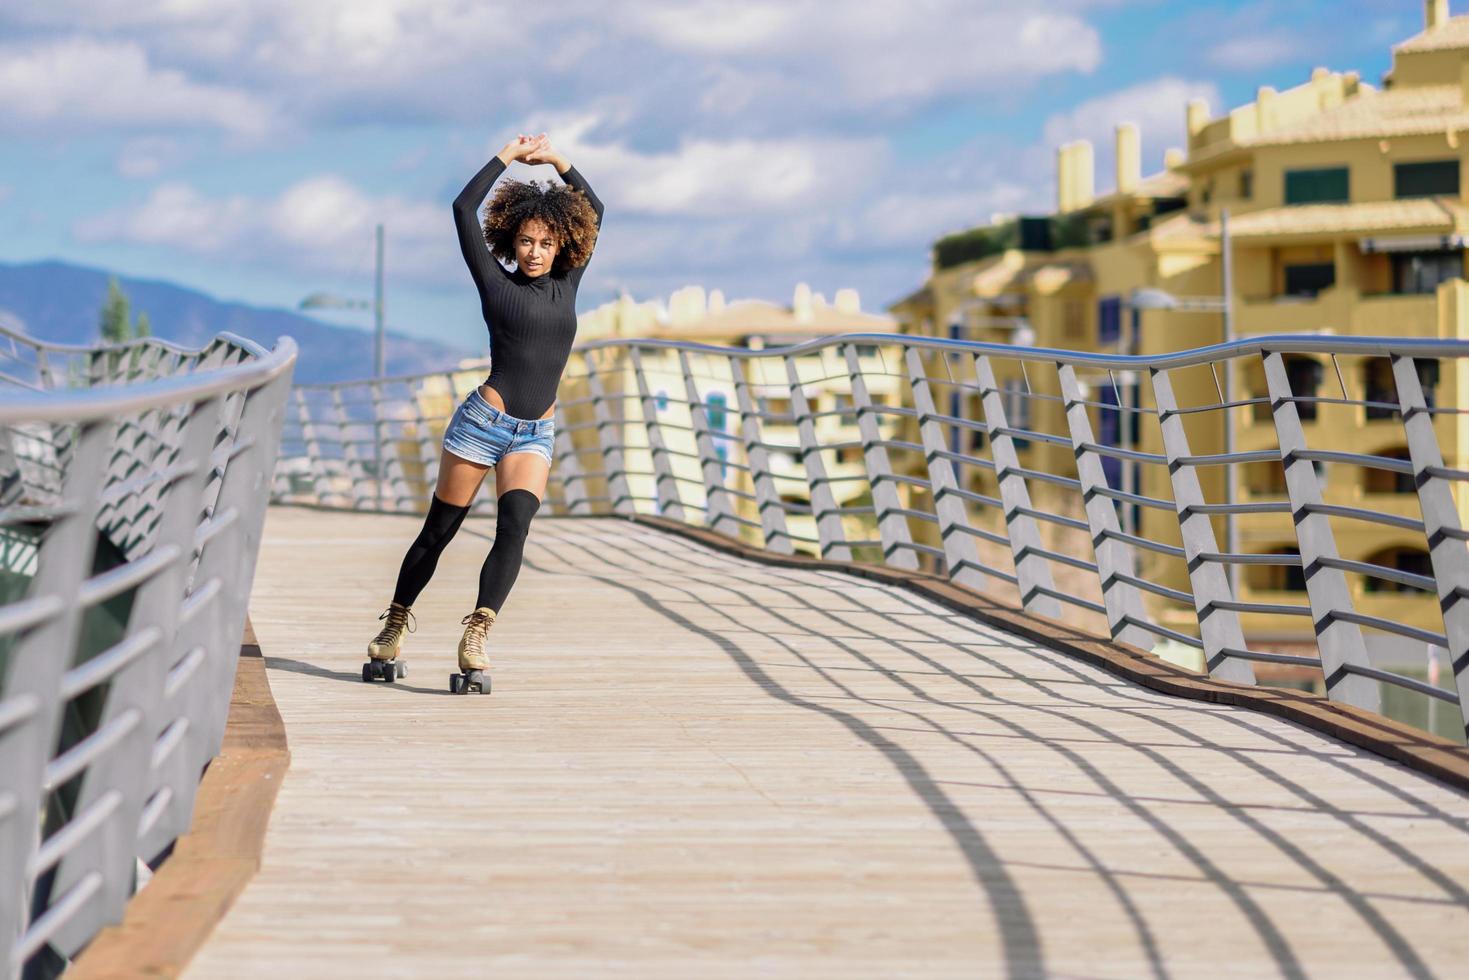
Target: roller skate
<point>473,664</point>
<point>383,650</point>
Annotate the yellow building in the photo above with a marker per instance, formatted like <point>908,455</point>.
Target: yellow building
<point>1347,215</point>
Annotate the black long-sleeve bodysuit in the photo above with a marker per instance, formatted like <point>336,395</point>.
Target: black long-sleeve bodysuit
<point>532,321</point>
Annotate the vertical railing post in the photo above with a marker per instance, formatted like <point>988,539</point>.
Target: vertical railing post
<point>1338,639</point>
<point>609,435</point>
<point>665,485</point>
<point>767,498</point>
<point>1446,550</point>
<point>33,671</point>
<point>892,523</point>
<point>1032,573</point>
<point>351,458</point>
<point>719,509</point>
<point>1114,556</point>
<point>1219,627</point>
<point>829,532</point>
<point>961,556</point>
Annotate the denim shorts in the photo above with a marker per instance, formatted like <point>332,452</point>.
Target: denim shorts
<point>481,433</point>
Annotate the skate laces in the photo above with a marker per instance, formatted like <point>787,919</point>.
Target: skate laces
<point>476,625</point>
<point>399,618</point>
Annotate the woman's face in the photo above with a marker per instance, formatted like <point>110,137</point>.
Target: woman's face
<point>535,248</point>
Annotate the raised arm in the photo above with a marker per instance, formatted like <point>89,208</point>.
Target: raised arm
<point>488,274</point>
<point>575,180</point>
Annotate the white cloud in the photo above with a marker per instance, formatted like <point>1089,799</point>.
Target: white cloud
<point>876,53</point>
<point>80,84</point>
<point>702,178</point>
<point>691,65</point>
<point>322,223</point>
<point>1253,52</point>
<point>1156,106</point>
<point>148,156</point>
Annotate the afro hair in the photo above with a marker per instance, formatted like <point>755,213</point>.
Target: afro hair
<point>566,211</point>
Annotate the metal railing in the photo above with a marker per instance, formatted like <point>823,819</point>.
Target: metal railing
<point>133,485</point>
<point>1089,487</point>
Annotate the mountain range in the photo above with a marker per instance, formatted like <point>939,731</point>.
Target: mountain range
<point>59,302</point>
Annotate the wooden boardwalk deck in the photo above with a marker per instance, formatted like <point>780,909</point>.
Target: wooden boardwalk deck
<point>694,765</point>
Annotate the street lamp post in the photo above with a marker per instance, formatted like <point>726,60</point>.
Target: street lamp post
<point>379,352</point>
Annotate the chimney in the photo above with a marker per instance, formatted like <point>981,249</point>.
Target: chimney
<point>1264,108</point>
<point>1435,14</point>
<point>847,301</point>
<point>801,304</point>
<point>1083,173</point>
<point>1197,116</point>
<point>1129,158</point>
<point>1063,178</point>
<point>1173,158</point>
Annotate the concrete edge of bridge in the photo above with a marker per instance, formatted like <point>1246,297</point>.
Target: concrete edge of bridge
<point>1421,751</point>
<point>171,918</point>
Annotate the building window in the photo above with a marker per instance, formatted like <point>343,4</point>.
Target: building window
<point>1421,272</point>
<point>1246,184</point>
<point>1380,391</point>
<point>1426,178</point>
<point>714,408</point>
<point>661,400</point>
<point>1308,279</point>
<point>1304,375</point>
<point>721,450</point>
<point>1017,410</point>
<point>1377,480</point>
<point>1109,319</point>
<point>779,408</point>
<point>1323,185</point>
<point>1414,561</point>
<point>1277,578</point>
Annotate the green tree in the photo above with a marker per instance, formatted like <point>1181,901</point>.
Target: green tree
<point>115,322</point>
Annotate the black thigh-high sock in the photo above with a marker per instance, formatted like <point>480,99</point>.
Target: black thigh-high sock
<point>512,522</point>
<point>423,555</point>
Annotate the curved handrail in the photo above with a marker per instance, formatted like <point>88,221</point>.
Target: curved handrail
<point>131,509</point>
<point>978,459</point>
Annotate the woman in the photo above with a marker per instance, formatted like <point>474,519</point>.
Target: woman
<point>506,422</point>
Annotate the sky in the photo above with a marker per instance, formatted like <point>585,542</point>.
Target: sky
<point>248,148</point>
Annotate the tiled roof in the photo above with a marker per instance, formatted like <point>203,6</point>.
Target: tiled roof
<point>1415,214</point>
<point>1453,33</point>
<point>1377,113</point>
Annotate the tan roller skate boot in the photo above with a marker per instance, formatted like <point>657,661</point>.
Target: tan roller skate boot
<point>472,659</point>
<point>383,650</point>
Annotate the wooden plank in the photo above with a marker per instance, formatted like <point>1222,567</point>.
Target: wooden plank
<point>697,764</point>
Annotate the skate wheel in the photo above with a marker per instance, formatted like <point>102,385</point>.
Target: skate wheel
<point>389,671</point>
<point>456,681</point>
<point>475,682</point>
<point>402,668</point>
<point>367,671</point>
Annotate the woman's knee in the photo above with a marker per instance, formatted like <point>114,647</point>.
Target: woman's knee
<point>441,523</point>
<point>514,512</point>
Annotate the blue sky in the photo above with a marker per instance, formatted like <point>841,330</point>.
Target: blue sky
<point>247,147</point>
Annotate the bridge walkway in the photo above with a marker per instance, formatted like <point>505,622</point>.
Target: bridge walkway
<point>697,765</point>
